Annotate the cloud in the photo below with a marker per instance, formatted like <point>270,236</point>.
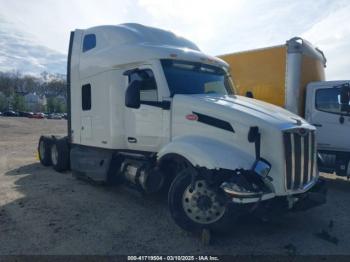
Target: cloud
<point>197,20</point>
<point>332,35</point>
<point>217,27</point>
<point>50,21</point>
<point>19,52</point>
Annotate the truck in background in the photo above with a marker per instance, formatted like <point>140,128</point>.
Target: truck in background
<point>293,76</point>
<point>149,109</point>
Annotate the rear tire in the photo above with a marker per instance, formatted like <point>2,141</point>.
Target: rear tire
<point>203,208</point>
<point>60,155</point>
<point>44,147</point>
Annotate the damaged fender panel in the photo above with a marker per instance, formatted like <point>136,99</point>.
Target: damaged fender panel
<point>208,153</point>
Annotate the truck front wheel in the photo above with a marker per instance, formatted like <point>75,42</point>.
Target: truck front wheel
<point>198,207</point>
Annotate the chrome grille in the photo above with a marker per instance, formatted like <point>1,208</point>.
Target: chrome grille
<point>300,157</point>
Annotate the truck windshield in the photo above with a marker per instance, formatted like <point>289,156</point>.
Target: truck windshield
<point>195,78</point>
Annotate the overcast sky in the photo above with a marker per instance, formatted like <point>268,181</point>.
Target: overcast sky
<point>216,26</point>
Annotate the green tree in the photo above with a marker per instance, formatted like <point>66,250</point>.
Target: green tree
<point>61,107</point>
<point>50,104</point>
<point>55,87</point>
<point>54,105</point>
<point>18,103</point>
<point>3,102</point>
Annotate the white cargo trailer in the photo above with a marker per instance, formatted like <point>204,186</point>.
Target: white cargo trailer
<point>149,109</point>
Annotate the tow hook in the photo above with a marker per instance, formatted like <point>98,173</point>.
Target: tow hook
<point>291,201</point>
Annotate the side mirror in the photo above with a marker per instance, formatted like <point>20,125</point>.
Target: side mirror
<point>132,95</point>
<point>345,97</point>
<point>249,94</point>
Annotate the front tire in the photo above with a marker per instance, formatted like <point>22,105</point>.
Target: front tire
<point>200,207</point>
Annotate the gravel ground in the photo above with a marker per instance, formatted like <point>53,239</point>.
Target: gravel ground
<point>44,212</point>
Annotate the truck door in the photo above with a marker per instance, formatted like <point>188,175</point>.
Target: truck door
<point>333,126</point>
<point>144,126</point>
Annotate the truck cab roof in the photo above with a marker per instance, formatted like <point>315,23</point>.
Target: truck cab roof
<point>112,46</point>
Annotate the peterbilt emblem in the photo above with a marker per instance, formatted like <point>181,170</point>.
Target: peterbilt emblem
<point>302,131</point>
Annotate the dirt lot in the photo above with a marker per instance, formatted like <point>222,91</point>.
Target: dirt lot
<point>44,212</point>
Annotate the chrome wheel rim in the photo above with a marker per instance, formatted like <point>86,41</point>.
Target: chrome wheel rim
<point>201,204</point>
<point>54,154</point>
<point>42,149</point>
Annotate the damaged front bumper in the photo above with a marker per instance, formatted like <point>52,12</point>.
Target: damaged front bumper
<point>270,203</point>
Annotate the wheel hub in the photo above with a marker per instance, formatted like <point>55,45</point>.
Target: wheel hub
<point>201,203</point>
<point>204,202</point>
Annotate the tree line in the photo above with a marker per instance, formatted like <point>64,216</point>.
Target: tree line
<point>14,86</point>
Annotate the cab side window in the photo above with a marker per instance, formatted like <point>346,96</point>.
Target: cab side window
<point>148,90</point>
<point>328,100</point>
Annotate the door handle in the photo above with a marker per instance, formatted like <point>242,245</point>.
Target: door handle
<point>317,125</point>
<point>132,140</point>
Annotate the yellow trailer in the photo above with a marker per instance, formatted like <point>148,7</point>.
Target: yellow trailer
<point>278,74</point>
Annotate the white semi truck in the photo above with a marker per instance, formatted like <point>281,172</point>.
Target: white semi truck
<point>149,109</point>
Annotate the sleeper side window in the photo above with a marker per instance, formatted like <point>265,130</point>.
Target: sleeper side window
<point>89,42</point>
<point>148,91</point>
<point>86,97</point>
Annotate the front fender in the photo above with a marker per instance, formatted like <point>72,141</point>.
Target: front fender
<point>208,153</point>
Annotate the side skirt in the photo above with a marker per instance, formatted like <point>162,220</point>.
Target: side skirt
<point>97,163</point>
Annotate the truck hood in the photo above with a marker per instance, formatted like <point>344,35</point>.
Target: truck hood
<point>233,107</point>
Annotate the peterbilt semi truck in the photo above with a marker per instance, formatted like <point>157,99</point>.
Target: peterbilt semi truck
<point>292,76</point>
<point>148,109</point>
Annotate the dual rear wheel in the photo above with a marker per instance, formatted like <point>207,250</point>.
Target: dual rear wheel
<point>54,151</point>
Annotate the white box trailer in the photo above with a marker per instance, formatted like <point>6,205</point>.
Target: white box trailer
<point>149,109</point>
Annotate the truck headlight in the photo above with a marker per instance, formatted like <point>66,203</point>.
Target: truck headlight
<point>262,168</point>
